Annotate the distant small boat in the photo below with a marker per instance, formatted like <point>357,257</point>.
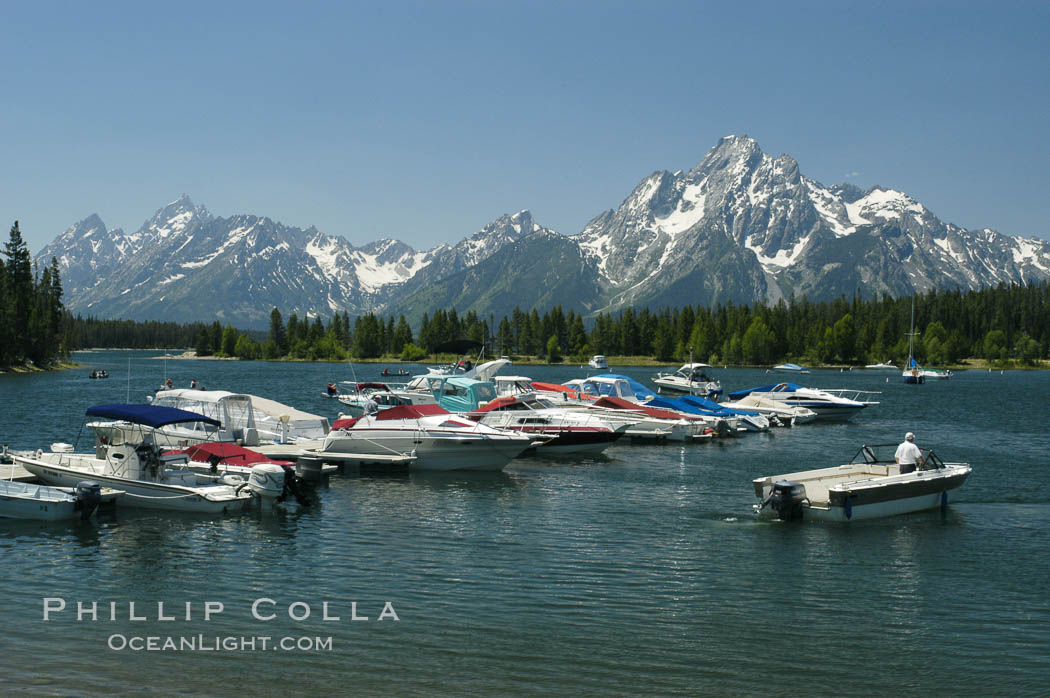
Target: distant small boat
<point>100,373</point>
<point>913,373</point>
<point>882,367</point>
<point>691,379</point>
<point>790,368</point>
<point>598,362</point>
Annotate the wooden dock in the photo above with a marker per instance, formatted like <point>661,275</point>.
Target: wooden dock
<point>13,471</point>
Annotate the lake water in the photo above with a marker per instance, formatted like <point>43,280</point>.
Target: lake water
<point>642,572</point>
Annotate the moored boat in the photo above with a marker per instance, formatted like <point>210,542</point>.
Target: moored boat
<point>570,432</point>
<point>25,500</point>
<point>870,486</point>
<point>828,404</point>
<point>127,458</point>
<point>428,437</point>
<point>691,379</point>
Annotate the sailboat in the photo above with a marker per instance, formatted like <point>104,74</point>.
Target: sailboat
<point>913,372</point>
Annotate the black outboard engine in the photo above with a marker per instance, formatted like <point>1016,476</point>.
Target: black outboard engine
<point>293,487</point>
<point>787,499</point>
<point>89,495</point>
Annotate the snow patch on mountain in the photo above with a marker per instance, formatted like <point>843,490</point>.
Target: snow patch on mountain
<point>689,212</point>
<point>782,259</point>
<point>831,208</point>
<point>374,275</point>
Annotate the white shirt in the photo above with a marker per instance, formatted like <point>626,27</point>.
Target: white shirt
<point>908,453</point>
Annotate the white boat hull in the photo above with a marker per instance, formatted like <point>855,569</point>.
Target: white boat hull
<point>70,469</point>
<point>21,501</point>
<point>894,507</point>
<point>459,452</point>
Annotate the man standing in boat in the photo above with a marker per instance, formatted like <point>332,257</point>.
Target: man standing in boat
<point>908,455</point>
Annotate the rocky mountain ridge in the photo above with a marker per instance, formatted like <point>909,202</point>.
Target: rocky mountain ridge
<point>741,226</point>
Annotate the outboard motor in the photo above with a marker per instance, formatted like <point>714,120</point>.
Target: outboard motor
<point>787,499</point>
<point>292,488</point>
<point>89,496</point>
<point>267,480</point>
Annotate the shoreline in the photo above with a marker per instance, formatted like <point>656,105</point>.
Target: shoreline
<point>969,364</point>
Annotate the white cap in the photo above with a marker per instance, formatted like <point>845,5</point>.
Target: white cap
<point>909,436</point>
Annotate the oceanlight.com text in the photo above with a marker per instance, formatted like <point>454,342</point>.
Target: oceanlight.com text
<point>217,643</point>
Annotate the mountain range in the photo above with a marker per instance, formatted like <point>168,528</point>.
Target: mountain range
<point>741,226</point>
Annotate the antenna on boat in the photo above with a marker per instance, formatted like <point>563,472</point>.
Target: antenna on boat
<point>127,398</point>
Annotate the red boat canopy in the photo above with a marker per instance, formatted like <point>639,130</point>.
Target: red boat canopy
<point>558,388</point>
<point>620,404</point>
<point>229,453</point>
<point>497,404</point>
<point>411,411</point>
<point>372,386</point>
<point>399,412</point>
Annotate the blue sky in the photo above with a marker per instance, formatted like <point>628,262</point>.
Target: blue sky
<point>423,121</point>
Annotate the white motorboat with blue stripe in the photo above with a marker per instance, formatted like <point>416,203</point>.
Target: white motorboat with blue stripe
<point>837,404</point>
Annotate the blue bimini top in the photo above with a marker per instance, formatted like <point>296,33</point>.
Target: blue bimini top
<point>150,415</point>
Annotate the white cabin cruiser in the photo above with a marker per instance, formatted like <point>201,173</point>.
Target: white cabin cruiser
<point>434,438</point>
<point>127,458</point>
<point>869,486</point>
<point>570,431</point>
<point>598,362</point>
<point>828,404</point>
<point>691,379</point>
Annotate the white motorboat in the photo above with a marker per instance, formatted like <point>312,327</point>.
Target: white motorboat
<point>691,379</point>
<point>785,414</point>
<point>598,362</point>
<point>127,458</point>
<point>884,366</point>
<point>936,374</point>
<point>427,435</point>
<point>869,486</point>
<point>838,404</point>
<point>24,500</point>
<point>357,396</point>
<point>570,432</point>
<point>790,368</point>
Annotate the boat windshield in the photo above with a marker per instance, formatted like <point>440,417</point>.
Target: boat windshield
<point>884,454</point>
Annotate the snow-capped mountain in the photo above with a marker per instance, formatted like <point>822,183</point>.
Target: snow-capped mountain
<point>741,226</point>
<point>744,226</point>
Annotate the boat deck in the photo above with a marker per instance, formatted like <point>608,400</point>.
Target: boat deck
<point>819,482</point>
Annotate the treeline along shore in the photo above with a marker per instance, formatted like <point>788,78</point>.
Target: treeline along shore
<point>1008,325</point>
<point>1002,326</point>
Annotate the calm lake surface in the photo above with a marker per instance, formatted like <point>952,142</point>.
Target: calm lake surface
<point>643,572</point>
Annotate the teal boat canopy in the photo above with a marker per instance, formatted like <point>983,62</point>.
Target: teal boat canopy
<point>458,394</point>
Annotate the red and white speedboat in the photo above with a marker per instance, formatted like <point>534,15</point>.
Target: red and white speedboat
<point>436,438</point>
<point>569,431</point>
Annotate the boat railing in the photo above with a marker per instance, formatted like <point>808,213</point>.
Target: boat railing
<point>853,394</point>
